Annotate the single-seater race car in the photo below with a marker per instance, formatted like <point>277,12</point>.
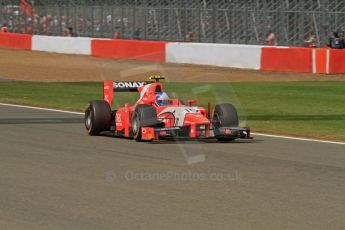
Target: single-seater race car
<point>155,116</point>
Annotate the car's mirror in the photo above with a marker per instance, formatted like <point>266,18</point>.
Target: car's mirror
<point>191,102</point>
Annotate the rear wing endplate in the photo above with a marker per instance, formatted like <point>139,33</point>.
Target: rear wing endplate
<point>109,87</point>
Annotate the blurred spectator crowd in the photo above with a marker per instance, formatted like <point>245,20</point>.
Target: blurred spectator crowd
<point>18,21</point>
<point>86,23</point>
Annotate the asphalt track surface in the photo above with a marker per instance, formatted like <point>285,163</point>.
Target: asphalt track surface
<point>54,176</point>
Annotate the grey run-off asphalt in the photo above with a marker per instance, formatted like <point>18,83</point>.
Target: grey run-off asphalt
<point>54,176</point>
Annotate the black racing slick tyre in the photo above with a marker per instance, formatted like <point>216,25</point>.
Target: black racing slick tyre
<point>97,117</point>
<point>143,116</point>
<point>225,115</point>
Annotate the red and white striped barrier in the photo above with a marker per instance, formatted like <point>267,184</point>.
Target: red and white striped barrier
<point>63,45</point>
<point>224,55</point>
<point>283,59</point>
<point>15,41</point>
<point>129,49</point>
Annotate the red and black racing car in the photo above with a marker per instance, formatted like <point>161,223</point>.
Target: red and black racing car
<point>156,116</point>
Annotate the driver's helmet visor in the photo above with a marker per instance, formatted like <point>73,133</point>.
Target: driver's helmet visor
<point>163,102</point>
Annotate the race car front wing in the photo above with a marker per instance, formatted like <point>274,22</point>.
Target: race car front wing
<point>149,133</point>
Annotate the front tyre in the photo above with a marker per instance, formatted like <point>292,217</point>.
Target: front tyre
<point>97,117</point>
<point>143,116</point>
<point>225,115</point>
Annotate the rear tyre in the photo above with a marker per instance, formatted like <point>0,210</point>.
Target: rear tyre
<point>143,116</point>
<point>97,117</point>
<point>225,115</point>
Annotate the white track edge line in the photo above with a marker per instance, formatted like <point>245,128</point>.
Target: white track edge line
<point>41,108</point>
<point>255,134</point>
<point>298,138</point>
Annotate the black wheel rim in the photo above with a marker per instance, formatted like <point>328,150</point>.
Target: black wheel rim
<point>88,119</point>
<point>215,121</point>
<point>135,124</point>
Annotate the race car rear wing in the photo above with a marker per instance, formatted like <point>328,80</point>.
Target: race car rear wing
<point>109,87</point>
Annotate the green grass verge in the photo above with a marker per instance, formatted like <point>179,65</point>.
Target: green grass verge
<point>310,109</point>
